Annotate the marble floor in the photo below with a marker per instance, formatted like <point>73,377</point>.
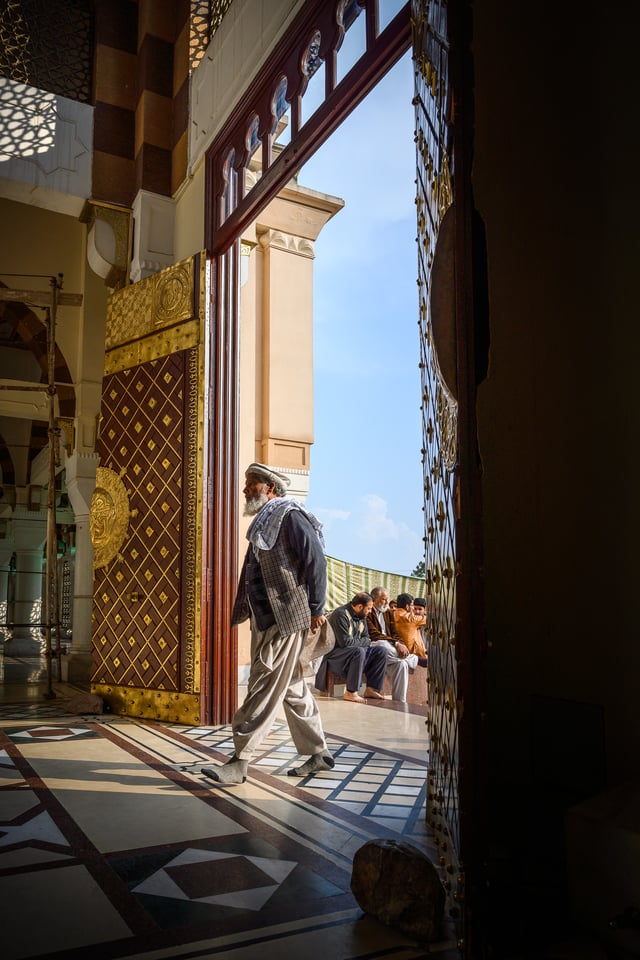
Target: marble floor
<point>113,842</point>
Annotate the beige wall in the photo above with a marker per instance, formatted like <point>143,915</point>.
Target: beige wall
<point>37,241</point>
<point>189,216</point>
<point>276,342</point>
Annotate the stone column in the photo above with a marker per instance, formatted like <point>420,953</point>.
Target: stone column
<point>81,481</point>
<point>30,535</point>
<point>7,547</point>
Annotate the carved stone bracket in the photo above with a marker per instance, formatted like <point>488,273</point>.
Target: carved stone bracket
<point>108,241</point>
<point>287,242</point>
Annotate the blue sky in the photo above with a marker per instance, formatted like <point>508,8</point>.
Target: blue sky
<point>366,472</point>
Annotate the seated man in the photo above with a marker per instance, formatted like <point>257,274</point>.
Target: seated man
<point>408,624</point>
<point>383,633</point>
<point>353,654</point>
<point>420,609</point>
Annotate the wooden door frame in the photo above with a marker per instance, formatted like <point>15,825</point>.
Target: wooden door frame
<point>222,232</point>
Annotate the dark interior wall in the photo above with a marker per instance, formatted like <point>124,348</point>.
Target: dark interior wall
<point>554,181</point>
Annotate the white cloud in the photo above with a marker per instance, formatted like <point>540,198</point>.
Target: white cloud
<point>375,525</point>
<point>368,536</point>
<point>328,517</point>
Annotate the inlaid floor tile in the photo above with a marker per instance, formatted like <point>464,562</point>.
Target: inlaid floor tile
<point>112,815</point>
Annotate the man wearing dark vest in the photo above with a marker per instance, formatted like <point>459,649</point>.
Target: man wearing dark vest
<point>282,590</point>
<point>353,654</point>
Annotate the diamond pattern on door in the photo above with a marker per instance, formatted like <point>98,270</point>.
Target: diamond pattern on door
<point>136,628</point>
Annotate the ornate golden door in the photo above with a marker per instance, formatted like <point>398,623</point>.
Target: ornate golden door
<point>146,511</point>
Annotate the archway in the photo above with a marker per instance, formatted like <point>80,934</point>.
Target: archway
<point>23,338</point>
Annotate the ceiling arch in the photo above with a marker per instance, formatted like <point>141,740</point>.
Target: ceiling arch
<point>22,329</point>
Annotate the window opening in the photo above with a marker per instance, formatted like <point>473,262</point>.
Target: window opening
<point>313,91</point>
<point>230,189</point>
<point>253,166</point>
<point>354,42</point>
<point>281,113</point>
<point>387,10</point>
<point>316,100</point>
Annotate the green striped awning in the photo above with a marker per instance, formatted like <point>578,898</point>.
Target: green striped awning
<point>347,579</point>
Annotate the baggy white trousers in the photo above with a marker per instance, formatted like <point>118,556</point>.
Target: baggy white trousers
<point>276,679</point>
<point>398,669</point>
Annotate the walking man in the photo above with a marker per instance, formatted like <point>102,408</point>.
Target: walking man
<point>282,590</point>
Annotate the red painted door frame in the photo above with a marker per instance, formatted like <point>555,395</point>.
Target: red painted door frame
<point>224,223</point>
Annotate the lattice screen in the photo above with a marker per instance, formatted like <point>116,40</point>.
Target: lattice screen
<point>48,44</point>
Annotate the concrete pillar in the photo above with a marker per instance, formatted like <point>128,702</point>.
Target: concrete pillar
<point>81,481</point>
<point>30,535</point>
<point>7,547</point>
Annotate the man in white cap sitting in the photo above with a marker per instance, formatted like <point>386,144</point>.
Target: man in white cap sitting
<point>282,589</point>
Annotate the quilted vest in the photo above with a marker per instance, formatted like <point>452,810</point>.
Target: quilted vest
<point>288,599</point>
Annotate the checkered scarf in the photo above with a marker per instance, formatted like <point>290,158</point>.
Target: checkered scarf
<point>265,526</point>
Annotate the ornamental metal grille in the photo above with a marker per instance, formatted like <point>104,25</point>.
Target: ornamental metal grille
<point>199,31</point>
<point>66,593</point>
<point>218,10</point>
<point>433,137</point>
<point>48,44</point>
<point>206,17</point>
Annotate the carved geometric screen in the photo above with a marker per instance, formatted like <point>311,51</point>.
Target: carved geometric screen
<point>205,18</point>
<point>48,44</point>
<point>137,596</point>
<point>218,10</point>
<point>199,31</point>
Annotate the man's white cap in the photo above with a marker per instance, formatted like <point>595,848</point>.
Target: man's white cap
<point>266,473</point>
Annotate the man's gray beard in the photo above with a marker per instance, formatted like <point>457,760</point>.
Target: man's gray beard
<point>252,506</point>
<point>383,608</point>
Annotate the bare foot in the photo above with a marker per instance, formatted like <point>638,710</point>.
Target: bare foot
<point>371,694</point>
<point>354,697</point>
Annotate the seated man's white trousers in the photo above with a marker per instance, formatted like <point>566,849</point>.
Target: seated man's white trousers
<point>397,669</point>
